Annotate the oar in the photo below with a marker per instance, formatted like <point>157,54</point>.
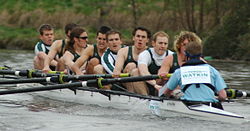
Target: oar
<point>100,82</point>
<point>10,77</point>
<point>61,78</point>
<point>233,93</point>
<point>29,73</point>
<point>89,83</point>
<point>5,67</point>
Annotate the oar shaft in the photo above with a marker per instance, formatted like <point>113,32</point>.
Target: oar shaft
<point>27,73</point>
<point>42,88</point>
<point>89,83</point>
<point>59,79</point>
<point>33,80</point>
<point>89,77</point>
<point>11,72</point>
<point>96,83</point>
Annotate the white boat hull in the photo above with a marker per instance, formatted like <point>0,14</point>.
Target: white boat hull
<point>203,112</point>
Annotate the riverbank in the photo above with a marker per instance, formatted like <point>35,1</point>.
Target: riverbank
<point>13,38</point>
<point>224,33</point>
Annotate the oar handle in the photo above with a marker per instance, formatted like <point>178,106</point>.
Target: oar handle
<point>165,76</point>
<point>233,93</point>
<point>124,75</point>
<point>55,72</point>
<point>169,75</point>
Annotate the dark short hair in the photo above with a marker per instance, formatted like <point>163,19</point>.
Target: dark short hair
<point>69,27</point>
<point>143,29</point>
<point>44,27</point>
<point>103,30</point>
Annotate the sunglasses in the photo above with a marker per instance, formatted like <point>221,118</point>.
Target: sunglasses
<point>83,38</point>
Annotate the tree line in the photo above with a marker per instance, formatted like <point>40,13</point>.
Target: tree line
<point>222,24</point>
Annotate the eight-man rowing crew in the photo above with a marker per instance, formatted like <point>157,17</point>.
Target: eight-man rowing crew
<point>109,56</point>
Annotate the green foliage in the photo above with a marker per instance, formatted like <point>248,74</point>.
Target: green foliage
<point>19,18</point>
<point>225,42</point>
<point>16,38</point>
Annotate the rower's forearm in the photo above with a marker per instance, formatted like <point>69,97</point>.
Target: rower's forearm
<point>152,82</point>
<point>47,62</point>
<point>53,63</point>
<point>222,95</point>
<point>76,70</point>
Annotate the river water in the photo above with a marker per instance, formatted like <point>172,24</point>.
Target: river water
<point>32,112</point>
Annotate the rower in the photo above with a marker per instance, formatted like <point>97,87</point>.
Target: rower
<point>150,60</point>
<point>108,59</point>
<point>198,80</point>
<point>92,53</point>
<point>43,46</point>
<point>75,46</point>
<point>172,62</point>
<point>127,58</point>
<point>58,49</point>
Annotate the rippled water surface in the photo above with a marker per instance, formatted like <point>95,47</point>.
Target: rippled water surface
<point>38,112</point>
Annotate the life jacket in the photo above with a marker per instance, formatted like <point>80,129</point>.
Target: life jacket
<point>193,62</point>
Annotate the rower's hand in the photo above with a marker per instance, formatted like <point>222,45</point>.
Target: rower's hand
<point>157,87</point>
<point>46,69</point>
<point>164,77</point>
<point>116,74</point>
<point>65,71</point>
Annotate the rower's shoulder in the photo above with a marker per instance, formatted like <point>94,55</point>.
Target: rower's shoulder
<point>168,60</point>
<point>170,52</point>
<point>90,47</point>
<point>89,50</point>
<point>169,57</point>
<point>146,52</point>
<point>124,49</point>
<point>57,43</point>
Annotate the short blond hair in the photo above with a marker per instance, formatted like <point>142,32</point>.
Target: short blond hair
<point>185,35</point>
<point>161,34</point>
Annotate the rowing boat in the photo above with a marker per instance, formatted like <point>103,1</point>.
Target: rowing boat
<point>156,107</point>
<point>118,99</point>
